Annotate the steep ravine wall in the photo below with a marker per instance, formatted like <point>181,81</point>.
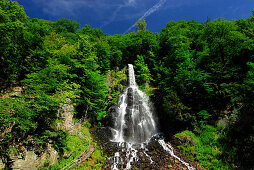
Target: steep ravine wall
<point>29,160</point>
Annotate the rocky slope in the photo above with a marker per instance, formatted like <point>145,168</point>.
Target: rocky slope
<point>161,159</point>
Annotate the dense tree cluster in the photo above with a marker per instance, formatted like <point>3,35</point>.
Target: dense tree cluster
<point>197,74</point>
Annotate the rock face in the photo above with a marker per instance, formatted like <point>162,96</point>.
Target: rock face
<point>66,113</point>
<point>29,160</point>
<point>49,157</point>
<point>1,164</point>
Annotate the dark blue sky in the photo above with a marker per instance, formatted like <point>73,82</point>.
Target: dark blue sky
<point>117,16</point>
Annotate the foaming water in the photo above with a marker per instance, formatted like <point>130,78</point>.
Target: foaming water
<point>134,122</point>
<point>170,149</point>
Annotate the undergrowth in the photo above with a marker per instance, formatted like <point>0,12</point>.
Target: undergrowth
<point>205,146</point>
<point>74,147</point>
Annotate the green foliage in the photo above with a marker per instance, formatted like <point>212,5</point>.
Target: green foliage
<point>16,114</point>
<point>103,53</point>
<point>64,25</point>
<point>74,147</point>
<point>249,83</point>
<point>203,116</point>
<point>140,25</point>
<point>142,72</point>
<point>46,108</point>
<point>115,82</point>
<point>205,147</point>
<point>95,94</point>
<point>93,32</point>
<point>50,79</point>
<point>199,71</point>
<point>11,11</point>
<point>27,119</point>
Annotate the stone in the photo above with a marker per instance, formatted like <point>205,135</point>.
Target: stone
<point>1,164</point>
<point>66,112</point>
<point>17,89</point>
<point>130,97</point>
<point>14,94</point>
<point>28,162</point>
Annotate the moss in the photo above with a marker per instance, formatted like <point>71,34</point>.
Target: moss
<point>85,131</point>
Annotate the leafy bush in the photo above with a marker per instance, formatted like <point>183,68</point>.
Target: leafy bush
<point>204,147</point>
<point>27,120</point>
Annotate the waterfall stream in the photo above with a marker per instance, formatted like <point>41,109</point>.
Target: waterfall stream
<point>134,122</point>
<point>134,126</point>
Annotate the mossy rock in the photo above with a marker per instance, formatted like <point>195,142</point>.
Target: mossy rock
<point>187,137</point>
<point>188,140</point>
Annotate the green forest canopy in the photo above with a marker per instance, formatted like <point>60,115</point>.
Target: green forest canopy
<point>201,72</point>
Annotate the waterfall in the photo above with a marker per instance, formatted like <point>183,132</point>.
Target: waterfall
<point>134,122</point>
<point>134,126</point>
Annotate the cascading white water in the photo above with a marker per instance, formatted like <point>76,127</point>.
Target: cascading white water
<point>134,125</point>
<point>134,122</point>
<point>170,149</point>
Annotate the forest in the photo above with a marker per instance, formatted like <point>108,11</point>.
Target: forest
<point>199,76</point>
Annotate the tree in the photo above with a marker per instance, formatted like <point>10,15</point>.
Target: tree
<point>143,75</point>
<point>140,25</point>
<point>67,25</point>
<point>92,32</point>
<point>12,60</point>
<point>11,11</point>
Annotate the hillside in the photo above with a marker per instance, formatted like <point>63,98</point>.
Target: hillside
<point>199,77</point>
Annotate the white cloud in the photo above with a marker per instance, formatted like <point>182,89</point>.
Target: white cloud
<point>128,3</point>
<point>106,11</point>
<point>60,7</point>
<point>148,12</point>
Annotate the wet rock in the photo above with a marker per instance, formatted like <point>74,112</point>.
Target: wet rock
<point>102,135</point>
<point>128,130</point>
<point>160,158</point>
<point>130,97</point>
<point>110,118</point>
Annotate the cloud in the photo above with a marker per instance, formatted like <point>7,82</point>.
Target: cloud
<point>104,12</point>
<point>148,12</point>
<point>154,8</point>
<point>71,7</point>
<point>116,11</point>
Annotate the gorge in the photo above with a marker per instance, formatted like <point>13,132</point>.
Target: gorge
<point>62,82</point>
